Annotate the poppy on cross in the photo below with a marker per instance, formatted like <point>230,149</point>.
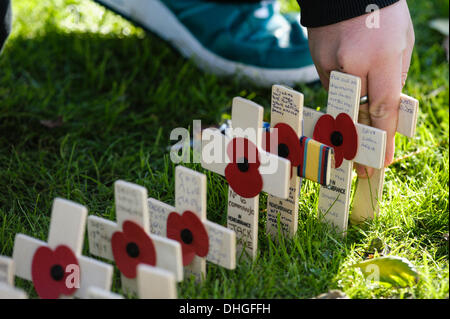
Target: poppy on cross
<point>129,243</point>
<point>57,267</point>
<point>201,240</point>
<point>244,170</point>
<point>352,142</point>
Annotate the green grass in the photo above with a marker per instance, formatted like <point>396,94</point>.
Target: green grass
<point>121,91</point>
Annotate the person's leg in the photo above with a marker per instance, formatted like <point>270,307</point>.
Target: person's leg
<point>5,21</point>
<point>227,37</point>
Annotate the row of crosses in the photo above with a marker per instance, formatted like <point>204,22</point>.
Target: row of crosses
<point>329,144</point>
<point>155,245</point>
<point>150,263</point>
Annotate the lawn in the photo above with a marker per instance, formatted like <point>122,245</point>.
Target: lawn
<point>120,91</point>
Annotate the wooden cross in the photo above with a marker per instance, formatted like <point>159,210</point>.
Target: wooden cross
<point>98,293</point>
<point>57,267</point>
<point>7,289</point>
<point>6,270</point>
<point>200,238</point>
<point>128,250</point>
<point>11,292</point>
<point>362,144</point>
<point>369,191</point>
<point>312,160</point>
<point>271,177</point>
<point>149,277</point>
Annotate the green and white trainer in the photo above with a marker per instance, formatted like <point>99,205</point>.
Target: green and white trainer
<point>253,40</point>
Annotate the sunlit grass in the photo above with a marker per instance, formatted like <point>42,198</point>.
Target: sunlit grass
<point>121,91</point>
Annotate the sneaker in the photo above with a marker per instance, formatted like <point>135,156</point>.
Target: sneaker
<point>252,40</point>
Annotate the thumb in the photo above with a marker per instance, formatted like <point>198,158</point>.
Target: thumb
<point>384,86</point>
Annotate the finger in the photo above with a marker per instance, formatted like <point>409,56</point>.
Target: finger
<point>363,114</point>
<point>324,77</point>
<point>324,62</point>
<point>347,63</point>
<point>363,118</point>
<point>384,86</point>
<point>406,57</point>
<point>406,62</point>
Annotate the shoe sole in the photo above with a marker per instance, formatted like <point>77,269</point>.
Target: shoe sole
<point>155,17</point>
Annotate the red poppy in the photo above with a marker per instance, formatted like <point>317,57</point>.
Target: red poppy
<point>288,144</point>
<point>340,134</point>
<point>243,172</point>
<point>48,271</point>
<point>190,232</point>
<point>132,247</point>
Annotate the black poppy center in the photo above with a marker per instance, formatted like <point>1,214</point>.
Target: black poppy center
<point>133,250</point>
<point>243,165</point>
<point>283,150</point>
<point>336,138</point>
<point>57,272</point>
<point>186,236</point>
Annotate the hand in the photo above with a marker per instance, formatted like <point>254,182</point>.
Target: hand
<point>379,56</point>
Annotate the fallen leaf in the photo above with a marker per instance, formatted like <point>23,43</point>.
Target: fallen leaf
<point>332,294</point>
<point>445,237</point>
<point>396,271</point>
<point>53,123</point>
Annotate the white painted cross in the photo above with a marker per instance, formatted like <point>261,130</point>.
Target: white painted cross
<point>200,238</point>
<point>7,289</point>
<point>133,243</point>
<point>343,97</point>
<point>369,191</point>
<point>98,293</point>
<point>11,292</point>
<point>57,267</point>
<point>149,277</point>
<point>239,153</point>
<point>6,270</point>
<point>312,160</point>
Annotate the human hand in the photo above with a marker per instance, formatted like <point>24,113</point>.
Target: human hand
<point>379,56</point>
